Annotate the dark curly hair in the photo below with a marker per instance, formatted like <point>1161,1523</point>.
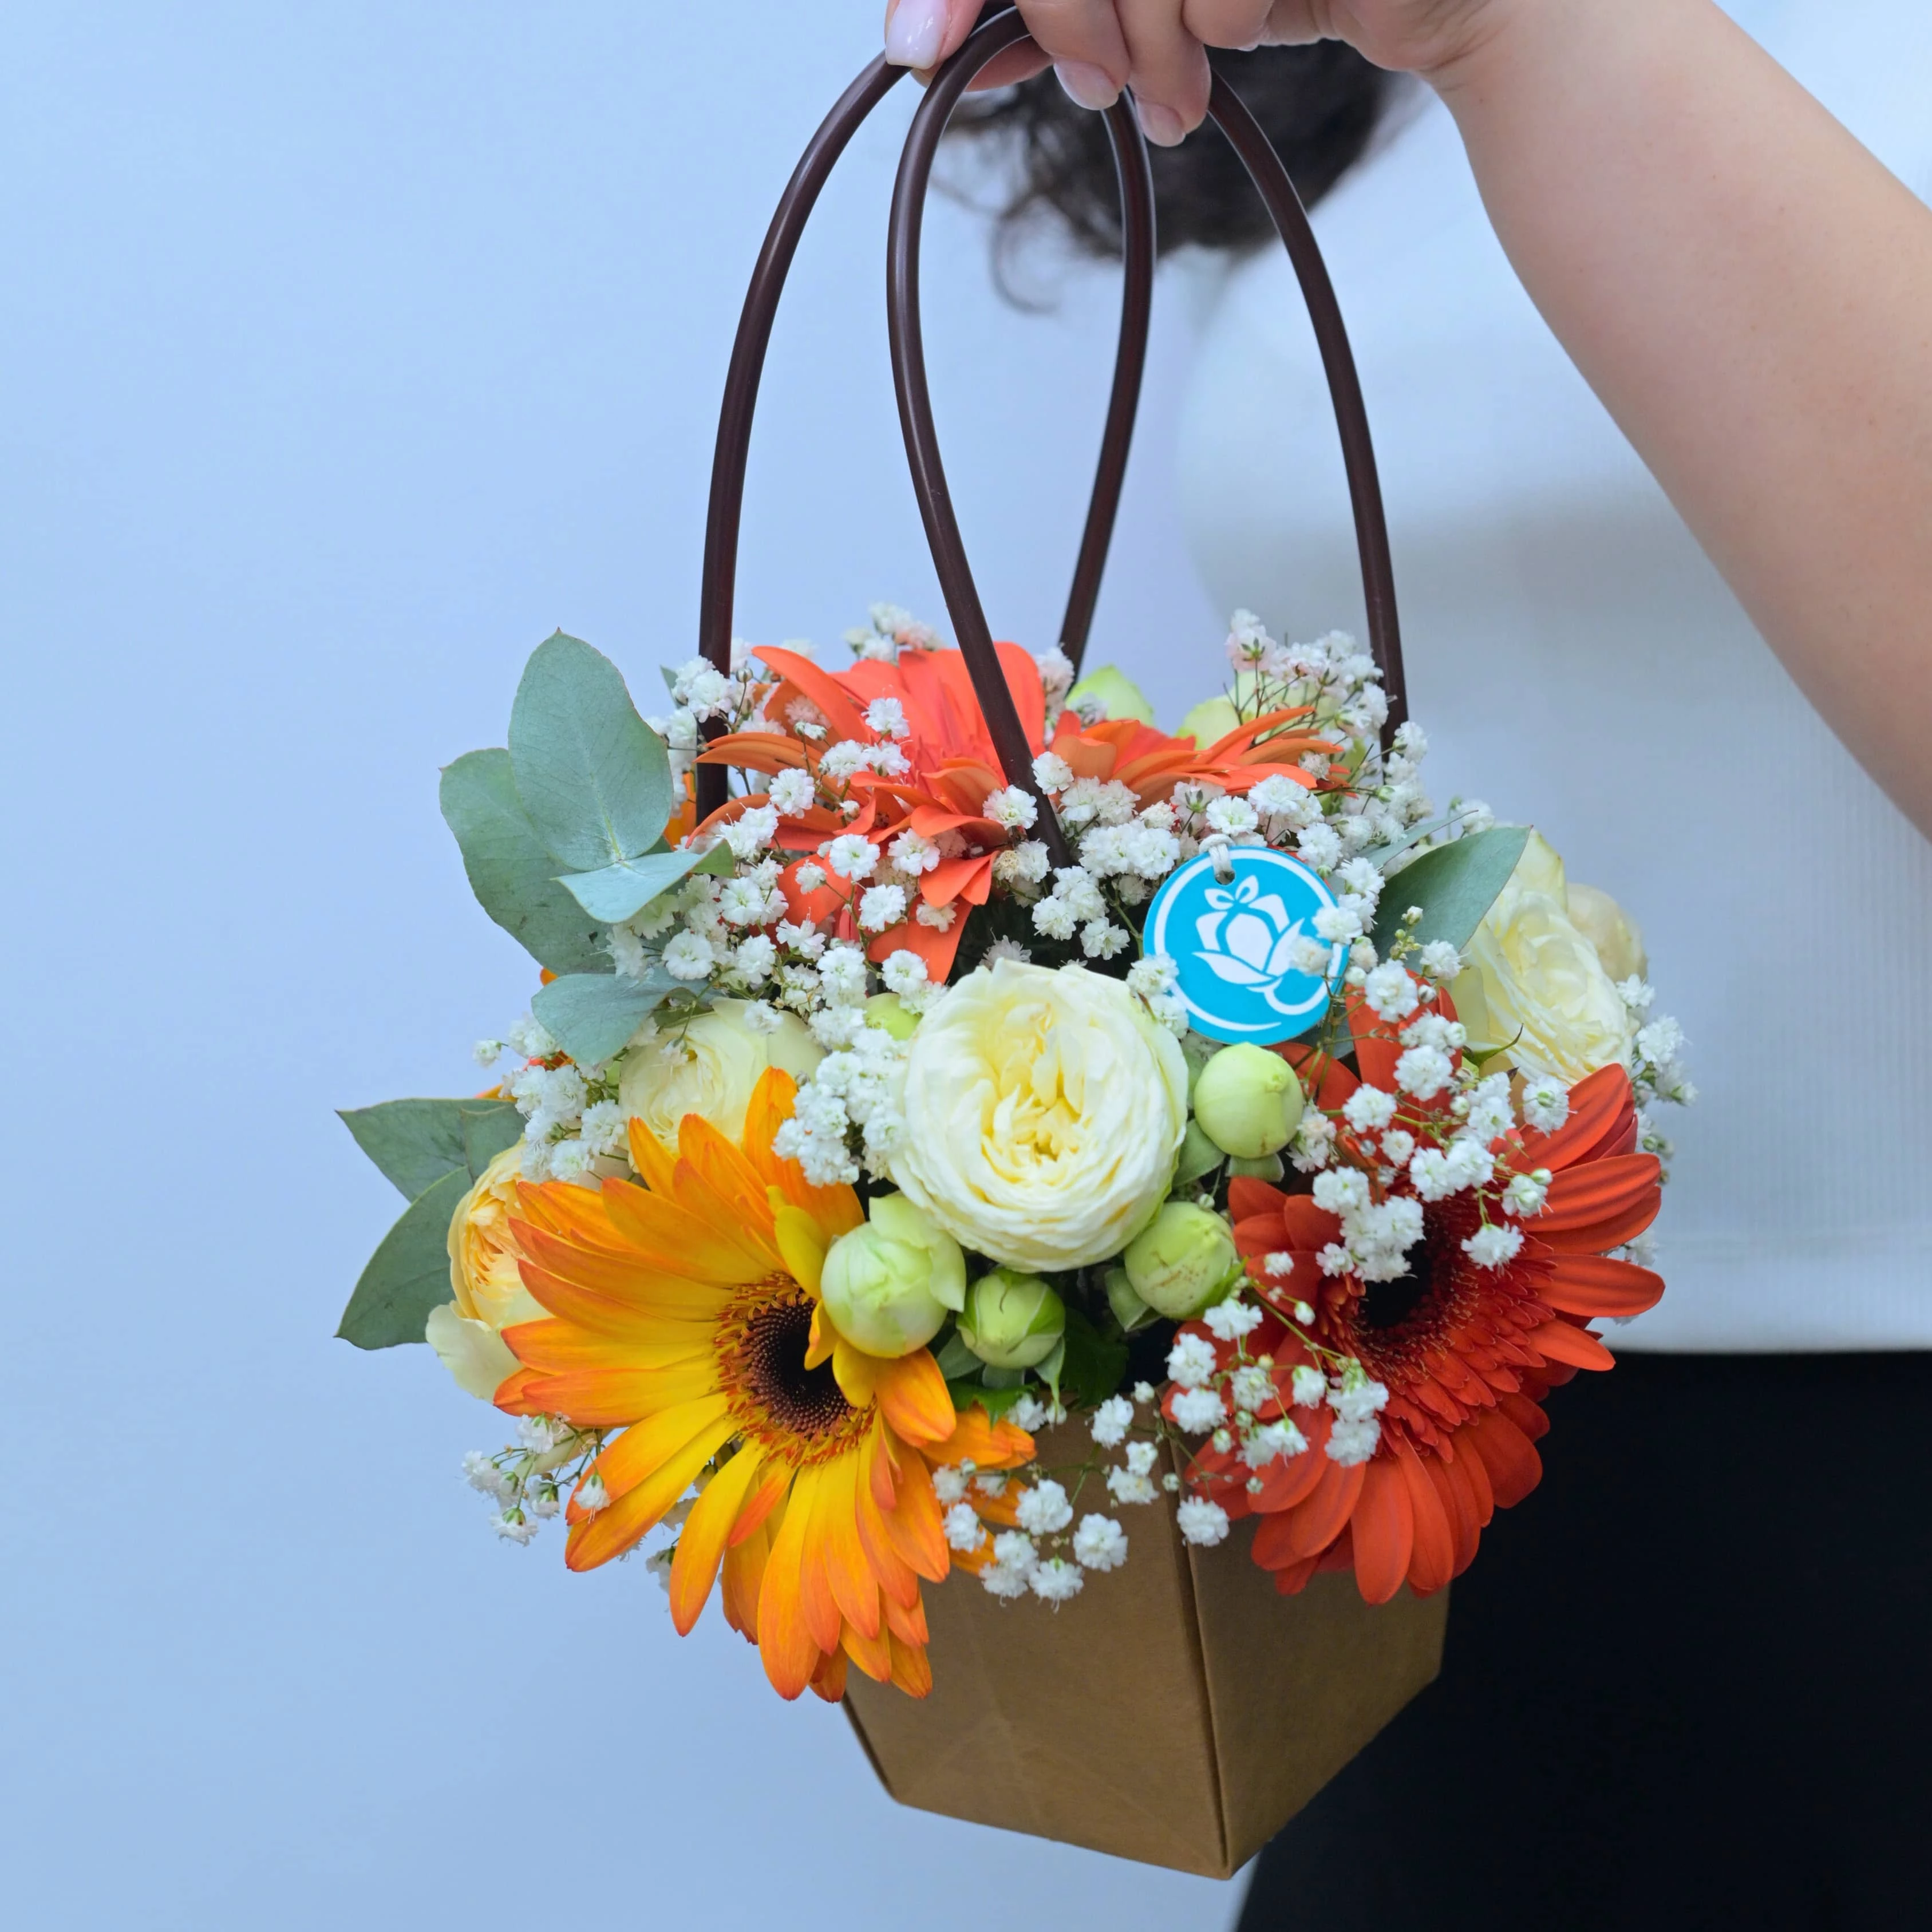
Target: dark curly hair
<point>1319,104</point>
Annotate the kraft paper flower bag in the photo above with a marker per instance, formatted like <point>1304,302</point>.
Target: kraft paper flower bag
<point>1060,1229</point>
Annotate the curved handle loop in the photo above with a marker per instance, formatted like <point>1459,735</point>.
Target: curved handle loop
<point>733,451</point>
<point>1271,178</point>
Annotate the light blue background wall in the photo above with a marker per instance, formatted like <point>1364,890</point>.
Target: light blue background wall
<point>345,350</point>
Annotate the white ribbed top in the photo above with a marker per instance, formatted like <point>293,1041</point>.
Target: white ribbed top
<point>1577,662</point>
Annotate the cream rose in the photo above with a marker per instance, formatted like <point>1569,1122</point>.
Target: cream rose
<point>1534,985</point>
<point>490,1294</point>
<point>708,1065</point>
<point>1043,1110</point>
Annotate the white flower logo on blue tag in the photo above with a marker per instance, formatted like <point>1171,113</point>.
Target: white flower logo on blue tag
<point>1233,943</point>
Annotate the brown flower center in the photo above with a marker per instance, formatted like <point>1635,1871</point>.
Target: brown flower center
<point>774,1395</point>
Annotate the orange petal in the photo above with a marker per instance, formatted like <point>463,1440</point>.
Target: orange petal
<point>978,1439</point>
<point>873,1655</point>
<point>907,1621</point>
<point>613,1531</point>
<point>911,1672</point>
<point>854,1588</point>
<point>1508,1456</point>
<point>656,1164</point>
<point>1431,1560</point>
<point>554,1346</point>
<point>914,1398</point>
<point>1384,1527</point>
<point>828,1681</point>
<point>1561,1342</point>
<point>646,1446</point>
<point>700,1548</point>
<point>611,1398</point>
<point>785,1645</point>
<point>1594,1286</point>
<point>1317,1522</point>
<point>744,1573</point>
<point>671,1238</point>
<point>774,1480</point>
<point>915,1524</point>
<point>1601,1205</point>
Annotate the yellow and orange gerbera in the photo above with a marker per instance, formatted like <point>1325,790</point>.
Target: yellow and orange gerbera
<point>685,1312</point>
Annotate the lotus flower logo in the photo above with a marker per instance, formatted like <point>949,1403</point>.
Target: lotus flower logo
<point>1240,975</point>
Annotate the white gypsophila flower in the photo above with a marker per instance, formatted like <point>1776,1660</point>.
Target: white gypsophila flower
<point>991,1482</point>
<point>687,957</point>
<point>841,976</point>
<point>793,792</point>
<point>1338,924</point>
<point>1390,991</point>
<point>1424,1072</point>
<point>1029,1413</point>
<point>1044,1508</point>
<point>750,832</point>
<point>571,1160</point>
<point>487,1053</point>
<point>1546,1103</point>
<point>1490,1114</point>
<point>534,1159</point>
<point>1278,1266</point>
<point>1191,1362</point>
<point>1005,949</point>
<point>1397,1146</point>
<point>1352,1442</point>
<point>850,856</point>
<point>1014,1549</point>
<point>1251,1387</point>
<point>1125,1486</point>
<point>591,1496</point>
<point>1231,816</point>
<point>1141,1457</point>
<point>513,1526</point>
<point>1051,773</point>
<point>753,961</point>
<point>742,902</point>
<point>1011,808</point>
<point>1198,1411</point>
<point>529,1038</point>
<point>882,906</point>
<point>545,1503</point>
<point>481,1472</point>
<point>1314,1142</point>
<point>950,1482</point>
<point>886,716</point>
<point>1303,1313</point>
<point>1099,1543</point>
<point>1342,1190</point>
<point>1493,1246</point>
<point>1007,1581</point>
<point>1637,994</point>
<point>1056,1580</point>
<point>1358,1395</point>
<point>1319,847</point>
<point>1202,1521</point>
<point>1527,1194</point>
<point>1111,1421</point>
<point>1056,673</point>
<point>1310,1388</point>
<point>1369,1109</point>
<point>1273,1441</point>
<point>1432,1030</point>
<point>1229,1321</point>
<point>1440,960</point>
<point>604,1127</point>
<point>964,1532</point>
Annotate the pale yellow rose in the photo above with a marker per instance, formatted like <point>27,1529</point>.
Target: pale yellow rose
<point>1616,936</point>
<point>490,1294</point>
<point>709,1066</point>
<point>1043,1111</point>
<point>1534,985</point>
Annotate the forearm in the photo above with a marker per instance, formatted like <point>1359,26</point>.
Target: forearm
<point>1750,293</point>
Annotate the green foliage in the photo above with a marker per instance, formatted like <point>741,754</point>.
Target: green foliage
<point>1455,885</point>
<point>409,1274</point>
<point>622,891</point>
<point>592,776</point>
<point>1094,1365</point>
<point>592,1015</point>
<point>510,871</point>
<point>995,1401</point>
<point>416,1142</point>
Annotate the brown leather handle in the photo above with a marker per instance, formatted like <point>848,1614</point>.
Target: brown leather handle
<point>733,451</point>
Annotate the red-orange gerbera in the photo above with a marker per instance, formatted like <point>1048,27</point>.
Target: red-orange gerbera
<point>1466,1352</point>
<point>684,1314</point>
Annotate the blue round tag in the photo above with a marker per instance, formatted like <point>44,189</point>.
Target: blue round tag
<point>1231,941</point>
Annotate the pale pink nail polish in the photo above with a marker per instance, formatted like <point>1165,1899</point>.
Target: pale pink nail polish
<point>1087,86</point>
<point>1161,125</point>
<point>915,33</point>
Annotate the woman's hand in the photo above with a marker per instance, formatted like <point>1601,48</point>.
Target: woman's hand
<point>1158,47</point>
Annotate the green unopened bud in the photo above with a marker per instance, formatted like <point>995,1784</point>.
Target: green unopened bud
<point>1183,1262</point>
<point>1012,1321</point>
<point>888,1012</point>
<point>1113,693</point>
<point>1129,1310</point>
<point>888,1286</point>
<point>1248,1101</point>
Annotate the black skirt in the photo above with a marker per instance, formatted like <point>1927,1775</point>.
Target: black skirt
<point>1686,1683</point>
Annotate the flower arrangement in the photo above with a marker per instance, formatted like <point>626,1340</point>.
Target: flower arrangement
<point>869,1196</point>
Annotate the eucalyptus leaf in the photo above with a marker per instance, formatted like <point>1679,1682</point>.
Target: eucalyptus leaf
<point>416,1142</point>
<point>1455,885</point>
<point>592,776</point>
<point>592,1015</point>
<point>622,891</point>
<point>512,874</point>
<point>409,1274</point>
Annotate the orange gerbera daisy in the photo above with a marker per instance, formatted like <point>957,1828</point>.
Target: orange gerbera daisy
<point>684,1314</point>
<point>1468,1353</point>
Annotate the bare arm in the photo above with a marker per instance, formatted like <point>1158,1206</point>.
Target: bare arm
<point>1747,289</point>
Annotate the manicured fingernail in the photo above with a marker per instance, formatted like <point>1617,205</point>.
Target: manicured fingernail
<point>916,32</point>
<point>1087,86</point>
<point>1161,125</point>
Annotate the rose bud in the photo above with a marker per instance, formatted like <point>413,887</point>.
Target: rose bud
<point>1183,1262</point>
<point>1248,1101</point>
<point>1113,694</point>
<point>888,1286</point>
<point>1012,1321</point>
